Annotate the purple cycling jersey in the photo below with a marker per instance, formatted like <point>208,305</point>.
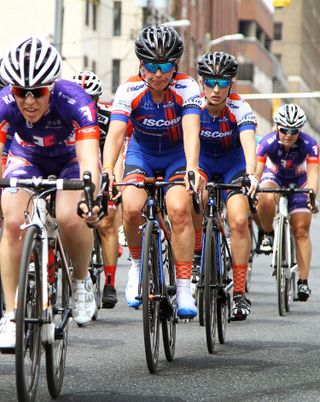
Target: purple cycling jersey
<point>289,164</point>
<point>71,112</point>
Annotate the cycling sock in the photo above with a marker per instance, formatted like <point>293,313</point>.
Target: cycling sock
<point>183,270</point>
<point>303,282</point>
<point>110,273</point>
<point>198,241</point>
<point>239,277</point>
<point>135,252</point>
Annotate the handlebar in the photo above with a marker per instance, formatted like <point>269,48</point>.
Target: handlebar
<point>195,195</point>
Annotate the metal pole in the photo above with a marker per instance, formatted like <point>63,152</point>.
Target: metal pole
<point>58,25</point>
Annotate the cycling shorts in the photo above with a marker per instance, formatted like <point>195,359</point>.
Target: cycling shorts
<point>296,202</point>
<point>225,169</point>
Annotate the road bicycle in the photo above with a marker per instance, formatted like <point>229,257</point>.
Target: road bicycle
<point>157,285</point>
<point>215,283</point>
<point>43,297</point>
<point>284,262</point>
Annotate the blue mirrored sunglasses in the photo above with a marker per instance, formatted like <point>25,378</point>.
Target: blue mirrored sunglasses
<point>291,131</point>
<point>154,67</point>
<point>212,82</point>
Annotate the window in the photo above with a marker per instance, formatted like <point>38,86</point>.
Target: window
<point>117,18</point>
<point>85,61</point>
<point>87,12</point>
<point>94,16</point>
<point>245,72</point>
<point>94,66</point>
<point>115,74</point>
<point>277,31</point>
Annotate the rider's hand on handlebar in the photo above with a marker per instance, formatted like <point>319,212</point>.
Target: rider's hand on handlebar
<point>109,170</point>
<point>251,183</point>
<point>312,205</point>
<point>198,181</point>
<point>94,217</point>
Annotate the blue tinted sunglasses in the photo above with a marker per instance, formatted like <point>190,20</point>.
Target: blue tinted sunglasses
<point>154,67</point>
<point>291,131</point>
<point>212,82</point>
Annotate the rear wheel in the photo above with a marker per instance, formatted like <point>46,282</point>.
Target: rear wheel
<point>210,285</point>
<point>168,309</point>
<point>96,268</point>
<point>150,296</point>
<point>56,352</point>
<point>29,317</point>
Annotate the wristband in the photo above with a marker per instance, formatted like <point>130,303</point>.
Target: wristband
<point>107,167</point>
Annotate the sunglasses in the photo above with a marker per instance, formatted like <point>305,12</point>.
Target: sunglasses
<point>154,67</point>
<point>37,92</point>
<point>212,82</point>
<point>291,131</point>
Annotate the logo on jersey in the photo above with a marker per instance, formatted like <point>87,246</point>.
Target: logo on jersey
<point>215,134</point>
<point>8,99</point>
<point>135,88</point>
<point>161,122</point>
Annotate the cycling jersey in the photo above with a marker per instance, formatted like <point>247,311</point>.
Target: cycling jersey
<point>42,147</point>
<point>157,125</point>
<point>104,114</point>
<point>287,164</point>
<point>220,135</point>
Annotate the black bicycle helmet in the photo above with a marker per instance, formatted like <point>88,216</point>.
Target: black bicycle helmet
<point>158,43</point>
<point>218,64</point>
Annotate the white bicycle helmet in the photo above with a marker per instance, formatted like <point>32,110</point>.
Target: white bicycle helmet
<point>31,63</point>
<point>290,116</point>
<point>90,82</point>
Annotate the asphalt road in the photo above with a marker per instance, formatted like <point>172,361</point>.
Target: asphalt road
<point>265,358</point>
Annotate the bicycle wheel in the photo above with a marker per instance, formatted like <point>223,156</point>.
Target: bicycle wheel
<point>95,269</point>
<point>168,308</point>
<point>290,282</point>
<point>222,298</point>
<point>151,296</point>
<point>200,303</point>
<point>1,301</point>
<point>210,289</point>
<point>29,317</point>
<point>56,352</point>
<point>281,267</point>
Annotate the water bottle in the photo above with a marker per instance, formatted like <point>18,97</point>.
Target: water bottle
<point>283,206</point>
<point>164,248</point>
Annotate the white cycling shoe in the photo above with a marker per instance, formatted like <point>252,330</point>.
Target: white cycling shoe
<point>84,304</point>
<point>131,290</point>
<point>186,303</point>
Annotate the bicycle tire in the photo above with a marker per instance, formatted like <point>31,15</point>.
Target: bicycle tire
<point>56,353</point>
<point>222,297</point>
<point>290,282</point>
<point>29,306</point>
<point>95,269</point>
<point>210,282</point>
<point>150,295</point>
<point>200,304</point>
<point>281,263</point>
<point>168,317</point>
<point>1,301</point>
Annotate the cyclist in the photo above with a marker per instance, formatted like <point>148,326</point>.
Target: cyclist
<point>289,156</point>
<point>164,107</point>
<point>228,150</point>
<point>44,111</point>
<point>108,227</point>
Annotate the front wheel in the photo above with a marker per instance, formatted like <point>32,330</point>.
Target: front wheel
<point>29,317</point>
<point>56,352</point>
<point>210,285</point>
<point>151,295</point>
<point>281,267</point>
<point>168,308</point>
<point>223,297</point>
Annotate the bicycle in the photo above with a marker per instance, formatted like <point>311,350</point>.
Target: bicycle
<point>284,262</point>
<point>43,298</point>
<point>157,286</point>
<point>215,283</point>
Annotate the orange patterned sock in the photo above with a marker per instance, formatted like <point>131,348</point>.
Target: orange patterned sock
<point>110,273</point>
<point>183,270</point>
<point>239,277</point>
<point>135,252</point>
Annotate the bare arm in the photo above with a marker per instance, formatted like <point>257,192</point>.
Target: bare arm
<point>88,157</point>
<point>248,143</point>
<point>313,176</point>
<point>259,171</point>
<point>114,142</point>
